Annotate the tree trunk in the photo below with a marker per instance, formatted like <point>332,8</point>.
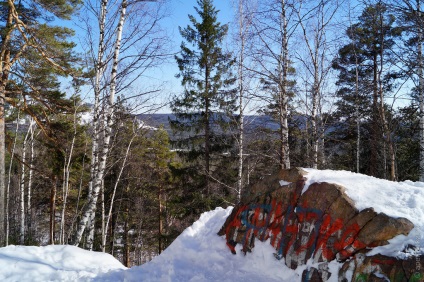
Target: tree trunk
<point>375,121</point>
<point>126,240</point>
<point>22,188</point>
<point>112,200</point>
<point>12,155</point>
<point>87,220</point>
<point>358,118</point>
<point>283,92</point>
<point>242,38</point>
<point>4,73</point>
<point>104,228</point>
<point>100,66</point>
<point>30,176</point>
<point>2,167</point>
<point>420,87</point>
<point>383,118</point>
<point>66,180</point>
<point>52,210</point>
<point>207,131</point>
<point>160,243</point>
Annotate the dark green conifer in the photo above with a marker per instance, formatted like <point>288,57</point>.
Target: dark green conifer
<point>365,77</point>
<point>204,112</point>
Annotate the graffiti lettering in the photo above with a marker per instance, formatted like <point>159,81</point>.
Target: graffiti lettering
<point>298,230</point>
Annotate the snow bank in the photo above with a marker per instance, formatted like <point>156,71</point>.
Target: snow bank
<point>198,254</point>
<point>53,263</point>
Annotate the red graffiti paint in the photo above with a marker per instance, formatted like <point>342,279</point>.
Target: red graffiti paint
<point>291,225</point>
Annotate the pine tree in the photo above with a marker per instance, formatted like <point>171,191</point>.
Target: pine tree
<point>204,111</point>
<point>366,58</point>
<point>411,19</point>
<point>28,36</point>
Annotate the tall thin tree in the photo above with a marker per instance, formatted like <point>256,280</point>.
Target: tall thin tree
<point>208,102</point>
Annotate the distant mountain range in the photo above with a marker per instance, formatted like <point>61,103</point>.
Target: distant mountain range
<point>251,122</point>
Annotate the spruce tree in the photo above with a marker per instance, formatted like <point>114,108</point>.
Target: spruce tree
<point>204,111</point>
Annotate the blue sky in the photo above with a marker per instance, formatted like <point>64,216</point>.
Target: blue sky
<point>177,15</point>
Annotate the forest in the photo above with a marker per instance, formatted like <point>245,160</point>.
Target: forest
<point>328,84</point>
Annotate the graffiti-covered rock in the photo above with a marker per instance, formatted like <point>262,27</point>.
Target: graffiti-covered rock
<point>320,224</point>
<point>382,268</point>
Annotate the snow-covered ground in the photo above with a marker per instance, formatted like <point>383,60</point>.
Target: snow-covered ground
<point>198,254</point>
<point>53,263</point>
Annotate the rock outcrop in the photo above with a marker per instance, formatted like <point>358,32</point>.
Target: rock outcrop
<point>321,224</point>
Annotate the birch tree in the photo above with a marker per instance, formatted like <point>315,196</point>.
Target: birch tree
<point>244,22</point>
<point>274,26</point>
<point>315,20</point>
<point>9,175</point>
<point>23,33</point>
<point>23,211</point>
<point>123,54</point>
<point>100,154</point>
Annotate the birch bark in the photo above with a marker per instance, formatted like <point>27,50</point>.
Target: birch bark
<point>283,91</point>
<point>109,214</point>
<point>87,220</point>
<point>30,177</point>
<point>22,187</point>
<point>66,180</point>
<point>420,86</point>
<point>242,39</point>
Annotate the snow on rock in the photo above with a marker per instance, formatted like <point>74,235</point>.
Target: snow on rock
<point>396,199</point>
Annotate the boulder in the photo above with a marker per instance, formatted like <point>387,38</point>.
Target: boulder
<point>382,268</point>
<point>321,224</point>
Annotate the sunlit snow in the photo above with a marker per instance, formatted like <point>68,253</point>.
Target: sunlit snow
<point>198,254</point>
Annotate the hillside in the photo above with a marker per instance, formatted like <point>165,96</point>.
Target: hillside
<point>199,254</point>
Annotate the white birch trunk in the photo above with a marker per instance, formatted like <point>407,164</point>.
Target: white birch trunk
<point>420,87</point>
<point>283,91</point>
<point>8,182</point>
<point>357,115</point>
<point>78,196</point>
<point>318,68</point>
<point>242,38</point>
<point>30,176</point>
<point>87,220</point>
<point>100,66</point>
<point>315,97</point>
<point>358,118</point>
<point>22,189</point>
<point>103,218</point>
<point>66,180</point>
<point>112,200</point>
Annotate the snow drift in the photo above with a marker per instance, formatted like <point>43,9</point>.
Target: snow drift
<point>198,254</point>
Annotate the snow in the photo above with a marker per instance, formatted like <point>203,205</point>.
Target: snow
<point>283,182</point>
<point>86,117</point>
<point>198,254</point>
<point>53,263</point>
